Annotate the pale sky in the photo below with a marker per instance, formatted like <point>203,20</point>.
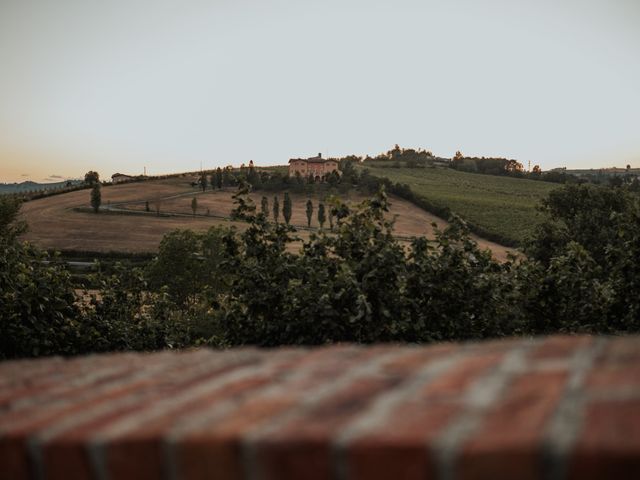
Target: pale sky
<point>121,84</point>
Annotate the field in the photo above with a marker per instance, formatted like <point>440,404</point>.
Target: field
<point>125,226</point>
<point>501,205</point>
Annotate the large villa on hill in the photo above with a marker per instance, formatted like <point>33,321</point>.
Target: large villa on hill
<point>318,167</point>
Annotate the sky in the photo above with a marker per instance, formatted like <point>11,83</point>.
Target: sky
<point>120,85</point>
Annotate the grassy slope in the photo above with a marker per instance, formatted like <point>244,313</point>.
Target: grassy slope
<point>501,205</point>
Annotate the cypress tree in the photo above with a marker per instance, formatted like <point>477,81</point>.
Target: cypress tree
<point>276,209</point>
<point>286,208</point>
<point>203,181</point>
<point>96,197</point>
<point>321,215</point>
<point>309,212</point>
<point>219,178</point>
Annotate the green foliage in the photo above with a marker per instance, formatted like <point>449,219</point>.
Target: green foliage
<point>126,316</point>
<point>10,226</point>
<point>91,177</point>
<point>96,197</point>
<point>276,209</point>
<point>203,181</point>
<point>591,247</point>
<point>286,208</point>
<point>322,216</point>
<point>587,214</point>
<point>499,208</point>
<point>37,309</point>
<point>356,283</point>
<point>309,212</point>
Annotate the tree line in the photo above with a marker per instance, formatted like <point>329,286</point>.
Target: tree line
<point>356,283</point>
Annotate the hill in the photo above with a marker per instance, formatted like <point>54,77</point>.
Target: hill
<point>63,222</point>
<point>30,186</point>
<point>503,206</point>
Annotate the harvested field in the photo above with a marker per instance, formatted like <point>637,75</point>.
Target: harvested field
<point>53,222</point>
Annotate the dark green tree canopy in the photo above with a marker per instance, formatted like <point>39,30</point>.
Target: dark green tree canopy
<point>287,208</point>
<point>96,197</point>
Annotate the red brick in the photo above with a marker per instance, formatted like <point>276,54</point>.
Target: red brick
<point>136,453</point>
<point>292,412</point>
<point>455,381</point>
<point>605,378</point>
<point>559,347</point>
<point>507,444</point>
<point>21,425</point>
<point>399,448</point>
<point>416,358</point>
<point>609,445</point>
<point>214,446</point>
<point>14,459</point>
<point>217,453</point>
<point>621,350</point>
<point>302,448</point>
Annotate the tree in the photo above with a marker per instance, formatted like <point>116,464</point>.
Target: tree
<point>276,209</point>
<point>38,309</point>
<point>91,177</point>
<point>10,226</point>
<point>513,166</point>
<point>457,160</point>
<point>194,205</point>
<point>253,177</point>
<point>264,207</point>
<point>96,197</point>
<point>286,208</point>
<point>187,262</point>
<point>536,170</point>
<point>227,177</point>
<point>321,215</point>
<point>203,181</point>
<point>309,212</point>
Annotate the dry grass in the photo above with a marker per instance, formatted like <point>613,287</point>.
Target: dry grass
<point>54,224</point>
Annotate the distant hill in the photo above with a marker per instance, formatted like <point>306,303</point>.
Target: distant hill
<point>29,186</point>
<point>609,171</point>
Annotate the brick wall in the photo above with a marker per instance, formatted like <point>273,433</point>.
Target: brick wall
<point>557,407</point>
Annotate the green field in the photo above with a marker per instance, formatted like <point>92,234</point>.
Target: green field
<point>503,206</point>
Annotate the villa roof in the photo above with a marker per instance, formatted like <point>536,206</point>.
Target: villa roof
<point>317,159</point>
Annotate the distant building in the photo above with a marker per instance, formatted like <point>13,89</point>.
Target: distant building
<point>120,178</point>
<point>318,167</point>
